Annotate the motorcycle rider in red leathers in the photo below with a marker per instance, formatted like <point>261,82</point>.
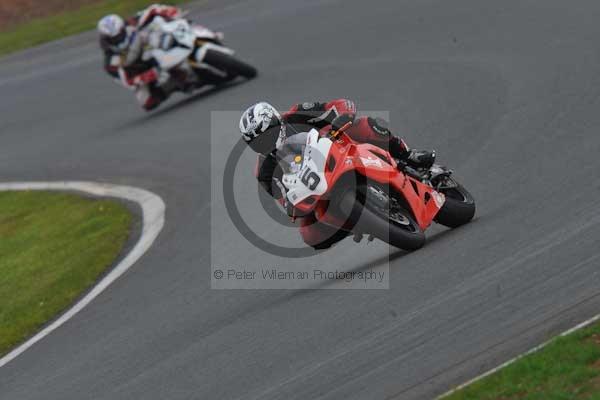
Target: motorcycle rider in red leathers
<point>122,43</point>
<point>265,131</point>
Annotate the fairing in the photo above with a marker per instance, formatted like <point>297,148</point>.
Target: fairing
<point>330,159</point>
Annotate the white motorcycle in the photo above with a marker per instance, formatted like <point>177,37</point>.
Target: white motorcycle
<point>193,52</point>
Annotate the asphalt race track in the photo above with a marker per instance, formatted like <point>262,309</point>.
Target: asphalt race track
<point>508,92</point>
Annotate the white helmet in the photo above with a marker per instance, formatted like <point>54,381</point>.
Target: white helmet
<point>112,31</point>
<point>262,128</point>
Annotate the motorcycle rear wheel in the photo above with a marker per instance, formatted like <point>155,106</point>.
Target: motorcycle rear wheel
<point>394,226</point>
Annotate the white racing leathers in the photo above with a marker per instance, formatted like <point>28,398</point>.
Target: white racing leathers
<point>177,52</point>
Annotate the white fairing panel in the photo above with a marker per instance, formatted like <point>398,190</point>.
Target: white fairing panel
<point>202,32</point>
<point>310,178</point>
<point>170,42</point>
<point>181,31</point>
<point>169,59</point>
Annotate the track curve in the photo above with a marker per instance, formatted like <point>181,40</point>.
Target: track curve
<point>507,92</point>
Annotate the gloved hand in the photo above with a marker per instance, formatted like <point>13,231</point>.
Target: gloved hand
<point>342,121</point>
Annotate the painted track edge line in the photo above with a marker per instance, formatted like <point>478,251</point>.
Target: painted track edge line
<point>512,360</point>
<point>153,219</point>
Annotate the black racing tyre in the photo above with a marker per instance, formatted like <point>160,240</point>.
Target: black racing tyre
<point>396,227</point>
<point>458,209</point>
<point>229,64</point>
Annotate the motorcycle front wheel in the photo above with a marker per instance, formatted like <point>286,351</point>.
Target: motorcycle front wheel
<point>230,64</point>
<point>371,210</point>
<point>459,207</point>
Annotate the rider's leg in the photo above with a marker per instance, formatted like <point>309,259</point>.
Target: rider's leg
<point>377,132</point>
<point>318,235</point>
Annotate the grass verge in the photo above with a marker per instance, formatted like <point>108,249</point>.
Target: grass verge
<point>50,28</point>
<point>567,368</point>
<point>53,246</point>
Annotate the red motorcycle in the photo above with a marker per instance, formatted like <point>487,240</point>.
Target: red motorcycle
<point>361,189</point>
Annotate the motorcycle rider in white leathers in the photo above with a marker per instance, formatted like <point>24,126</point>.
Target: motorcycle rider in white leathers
<point>123,43</point>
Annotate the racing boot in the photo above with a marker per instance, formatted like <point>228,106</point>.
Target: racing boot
<point>421,158</point>
<point>413,158</point>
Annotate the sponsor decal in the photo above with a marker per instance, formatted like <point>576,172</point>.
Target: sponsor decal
<point>376,162</point>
